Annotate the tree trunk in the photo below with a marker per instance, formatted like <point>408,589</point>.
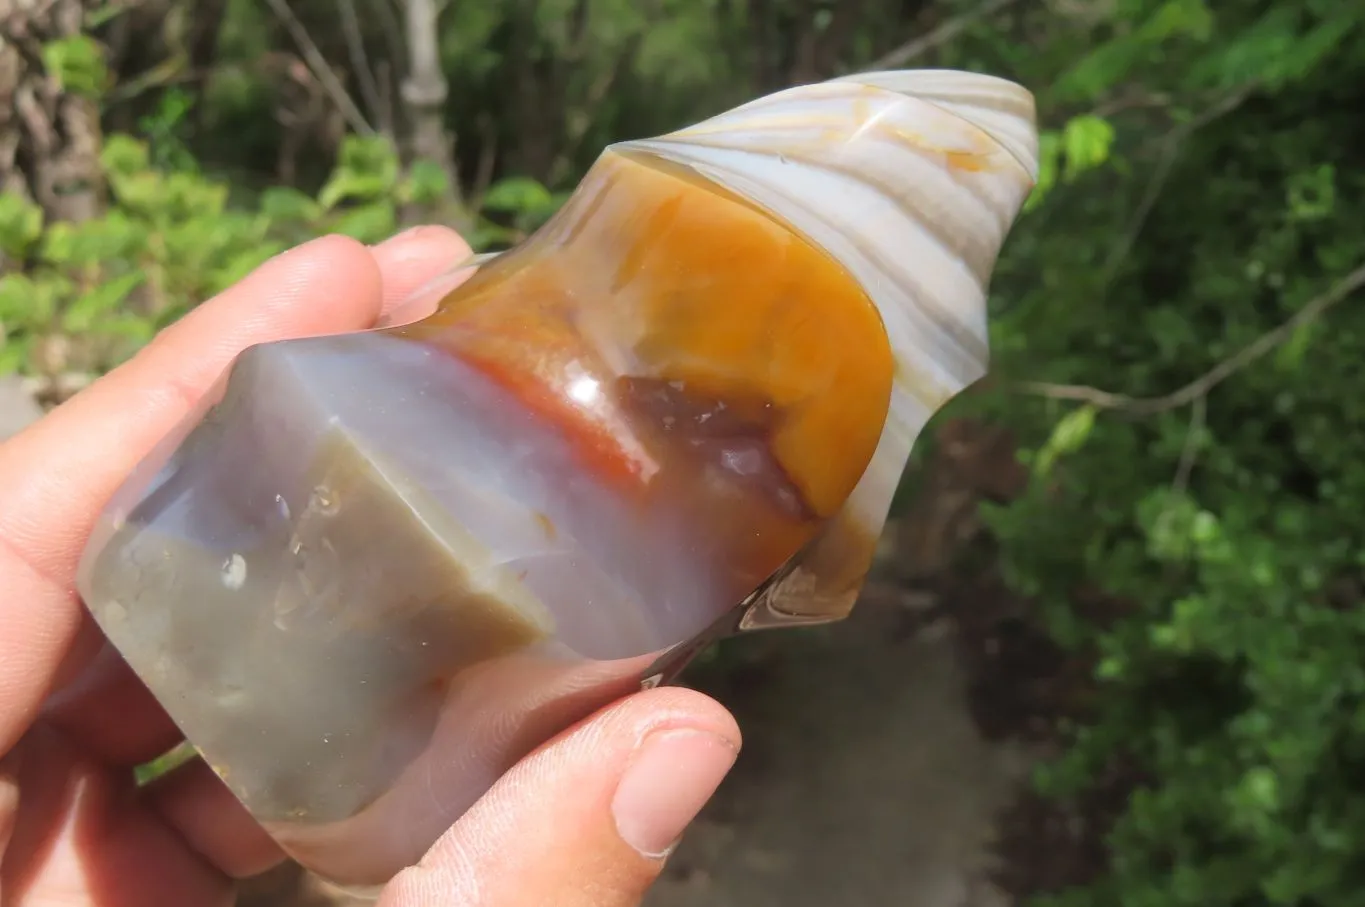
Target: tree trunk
<point>49,137</point>
<point>424,93</point>
<point>537,91</point>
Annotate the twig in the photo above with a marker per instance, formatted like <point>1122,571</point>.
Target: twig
<point>577,125</point>
<point>1214,376</point>
<point>1123,104</point>
<point>1189,452</point>
<point>355,48</point>
<point>1170,150</point>
<point>318,63</point>
<point>945,32</point>
<point>1230,102</point>
<point>397,61</point>
<point>488,160</point>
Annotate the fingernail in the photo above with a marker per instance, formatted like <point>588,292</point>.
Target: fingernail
<point>396,238</point>
<point>669,780</point>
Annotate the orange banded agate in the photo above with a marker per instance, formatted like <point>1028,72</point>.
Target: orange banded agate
<point>373,570</point>
<point>652,274</point>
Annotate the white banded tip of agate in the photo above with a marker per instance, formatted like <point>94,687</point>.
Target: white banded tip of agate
<point>910,179</point>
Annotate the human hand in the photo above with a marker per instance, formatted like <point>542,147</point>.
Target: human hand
<point>584,820</point>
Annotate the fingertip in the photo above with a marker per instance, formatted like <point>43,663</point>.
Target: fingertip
<point>666,707</point>
<point>195,802</point>
<point>589,817</point>
<point>422,241</point>
<point>687,745</point>
<point>328,284</point>
<point>411,259</point>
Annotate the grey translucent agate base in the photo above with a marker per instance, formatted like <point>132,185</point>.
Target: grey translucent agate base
<point>364,584</point>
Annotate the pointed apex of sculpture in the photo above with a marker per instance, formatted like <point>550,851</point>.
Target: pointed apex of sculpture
<point>910,179</point>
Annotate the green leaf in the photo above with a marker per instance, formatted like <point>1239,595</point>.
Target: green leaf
<point>426,183</point>
<point>1289,357</point>
<point>123,155</point>
<point>21,225</point>
<point>28,303</point>
<point>242,263</point>
<point>367,170</point>
<point>371,155</point>
<point>1087,141</point>
<point>102,300</point>
<point>112,239</point>
<point>144,194</point>
<point>13,355</point>
<point>1068,436</point>
<point>150,771</point>
<point>1049,167</point>
<point>369,223</point>
<point>103,14</point>
<point>1311,195</point>
<point>488,236</point>
<point>285,203</point>
<point>1261,788</point>
<point>1177,18</point>
<point>347,186</point>
<point>77,63</point>
<point>517,194</point>
<point>128,326</point>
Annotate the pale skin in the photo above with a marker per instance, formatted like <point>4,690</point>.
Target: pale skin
<point>587,819</point>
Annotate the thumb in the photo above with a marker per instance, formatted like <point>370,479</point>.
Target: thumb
<point>588,819</point>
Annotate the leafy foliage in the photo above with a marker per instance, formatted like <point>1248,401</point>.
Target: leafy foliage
<point>78,65</point>
<point>1226,520</point>
<point>88,294</point>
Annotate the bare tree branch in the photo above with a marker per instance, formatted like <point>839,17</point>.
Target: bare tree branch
<point>944,33</point>
<point>1206,382</point>
<point>397,61</point>
<point>318,63</point>
<point>360,62</point>
<point>578,121</point>
<point>488,159</point>
<point>1189,451</point>
<point>1134,100</point>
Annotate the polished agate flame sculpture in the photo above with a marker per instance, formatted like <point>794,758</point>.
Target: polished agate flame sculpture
<point>376,569</point>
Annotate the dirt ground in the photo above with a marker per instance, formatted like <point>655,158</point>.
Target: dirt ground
<point>864,779</point>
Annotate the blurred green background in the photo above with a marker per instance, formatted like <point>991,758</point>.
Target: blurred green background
<point>1177,331</point>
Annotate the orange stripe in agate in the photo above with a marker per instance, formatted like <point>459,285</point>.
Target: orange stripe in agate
<point>684,283</point>
<point>593,441</point>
